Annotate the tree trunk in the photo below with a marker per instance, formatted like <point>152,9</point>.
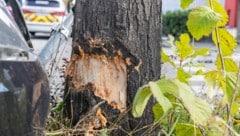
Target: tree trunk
<point>116,49</point>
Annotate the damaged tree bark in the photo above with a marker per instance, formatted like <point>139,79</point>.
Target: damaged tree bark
<point>116,49</point>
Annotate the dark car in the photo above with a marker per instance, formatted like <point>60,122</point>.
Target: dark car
<point>24,87</point>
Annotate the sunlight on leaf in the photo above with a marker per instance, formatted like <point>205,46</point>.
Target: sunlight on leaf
<point>201,52</point>
<point>184,49</point>
<point>182,75</point>
<point>168,86</point>
<point>229,64</point>
<point>183,129</point>
<point>185,3</point>
<point>215,128</point>
<point>140,101</point>
<point>214,79</point>
<point>230,86</point>
<point>165,58</point>
<point>199,72</point>
<point>162,100</point>
<point>235,108</point>
<point>199,110</point>
<point>218,7</point>
<point>227,41</point>
<point>201,21</point>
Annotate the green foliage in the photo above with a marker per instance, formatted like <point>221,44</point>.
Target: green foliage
<point>158,112</point>
<point>200,52</point>
<point>58,108</point>
<point>183,129</point>
<point>182,75</point>
<point>199,110</point>
<point>174,22</point>
<point>104,132</point>
<point>184,48</point>
<point>218,8</point>
<point>188,114</point>
<point>162,100</point>
<point>214,78</point>
<point>229,64</point>
<point>227,43</point>
<point>140,101</point>
<point>185,3</point>
<point>165,58</point>
<point>201,21</point>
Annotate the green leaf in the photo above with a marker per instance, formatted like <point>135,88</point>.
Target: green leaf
<point>218,8</point>
<point>226,40</point>
<point>162,100</point>
<point>216,128</point>
<point>158,112</point>
<point>214,78</point>
<point>185,3</point>
<point>199,72</point>
<point>199,110</point>
<point>235,108</point>
<point>229,64</point>
<point>104,132</point>
<point>58,108</point>
<point>168,86</point>
<point>183,129</point>
<point>230,86</point>
<point>184,49</point>
<point>201,21</point>
<point>166,58</point>
<point>182,75</point>
<point>201,52</point>
<point>140,101</point>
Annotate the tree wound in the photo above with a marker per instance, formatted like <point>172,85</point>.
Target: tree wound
<point>102,66</point>
<point>108,78</point>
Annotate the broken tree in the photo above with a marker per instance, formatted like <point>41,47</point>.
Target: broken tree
<point>116,49</point>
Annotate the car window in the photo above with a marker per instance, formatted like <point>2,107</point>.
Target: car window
<point>43,3</point>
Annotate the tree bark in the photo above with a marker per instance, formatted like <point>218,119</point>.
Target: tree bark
<point>116,49</point>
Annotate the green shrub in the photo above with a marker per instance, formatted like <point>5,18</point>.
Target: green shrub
<point>174,22</point>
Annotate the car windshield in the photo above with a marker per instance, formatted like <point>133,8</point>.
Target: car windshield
<point>43,3</point>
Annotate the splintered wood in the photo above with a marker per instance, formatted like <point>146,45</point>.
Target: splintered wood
<point>107,78</point>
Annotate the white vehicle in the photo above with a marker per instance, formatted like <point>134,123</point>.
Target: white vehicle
<point>42,15</point>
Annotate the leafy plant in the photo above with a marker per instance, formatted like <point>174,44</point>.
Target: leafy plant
<point>174,22</point>
<point>179,111</point>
